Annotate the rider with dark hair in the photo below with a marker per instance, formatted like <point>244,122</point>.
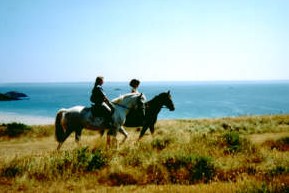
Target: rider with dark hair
<point>101,105</point>
<point>134,83</point>
<point>136,116</point>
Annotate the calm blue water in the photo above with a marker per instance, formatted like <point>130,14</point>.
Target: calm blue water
<point>191,99</point>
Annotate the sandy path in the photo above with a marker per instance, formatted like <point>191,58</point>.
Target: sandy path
<point>261,138</point>
<point>22,147</point>
<point>40,146</point>
<point>11,149</point>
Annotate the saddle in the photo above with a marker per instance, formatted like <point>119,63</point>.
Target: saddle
<point>99,111</point>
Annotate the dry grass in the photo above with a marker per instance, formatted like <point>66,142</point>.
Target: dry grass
<point>242,154</point>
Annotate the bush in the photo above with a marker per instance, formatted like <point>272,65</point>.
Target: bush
<point>232,141</point>
<point>89,160</point>
<point>160,144</point>
<point>203,170</point>
<point>16,129</point>
<point>120,178</point>
<point>12,171</point>
<point>97,161</point>
<point>157,174</point>
<point>281,144</point>
<point>190,168</point>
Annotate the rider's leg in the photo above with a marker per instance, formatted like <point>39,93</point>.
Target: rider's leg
<point>107,112</point>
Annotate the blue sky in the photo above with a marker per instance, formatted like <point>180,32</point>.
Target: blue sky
<point>153,40</point>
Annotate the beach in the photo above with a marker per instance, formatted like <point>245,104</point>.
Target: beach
<point>26,119</point>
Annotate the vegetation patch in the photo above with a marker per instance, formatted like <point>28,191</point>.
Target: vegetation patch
<point>281,144</point>
<point>120,178</point>
<point>14,129</point>
<point>56,165</point>
<point>211,155</point>
<point>161,144</point>
<point>188,169</point>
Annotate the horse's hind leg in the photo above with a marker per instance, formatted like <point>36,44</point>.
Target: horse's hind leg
<point>112,132</point>
<point>64,138</point>
<point>77,135</point>
<point>59,146</point>
<point>111,142</point>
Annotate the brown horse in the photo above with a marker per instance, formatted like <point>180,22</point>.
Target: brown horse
<point>152,109</point>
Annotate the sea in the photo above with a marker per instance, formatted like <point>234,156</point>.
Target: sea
<point>192,100</point>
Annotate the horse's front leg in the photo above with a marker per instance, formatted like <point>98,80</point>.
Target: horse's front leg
<point>78,136</point>
<point>152,129</point>
<point>124,132</point>
<point>142,132</point>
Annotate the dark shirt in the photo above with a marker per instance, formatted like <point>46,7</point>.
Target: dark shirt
<point>98,96</point>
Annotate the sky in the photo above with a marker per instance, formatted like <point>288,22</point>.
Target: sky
<point>152,40</point>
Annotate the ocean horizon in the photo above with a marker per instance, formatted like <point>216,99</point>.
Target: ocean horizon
<point>192,99</point>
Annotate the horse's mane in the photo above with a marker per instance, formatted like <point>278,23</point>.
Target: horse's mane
<point>122,97</point>
<point>158,97</point>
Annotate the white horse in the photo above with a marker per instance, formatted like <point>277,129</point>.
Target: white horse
<point>79,117</point>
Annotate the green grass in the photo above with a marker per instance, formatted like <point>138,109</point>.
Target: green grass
<point>203,155</point>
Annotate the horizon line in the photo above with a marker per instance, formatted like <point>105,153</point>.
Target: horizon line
<point>151,81</point>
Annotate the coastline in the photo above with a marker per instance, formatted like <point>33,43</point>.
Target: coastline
<point>192,100</point>
<point>25,119</point>
<point>32,120</point>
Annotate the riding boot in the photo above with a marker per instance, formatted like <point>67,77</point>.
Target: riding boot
<point>108,112</point>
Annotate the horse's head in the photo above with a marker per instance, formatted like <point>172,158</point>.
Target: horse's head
<point>166,99</point>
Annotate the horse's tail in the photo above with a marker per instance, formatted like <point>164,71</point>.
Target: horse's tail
<point>59,129</point>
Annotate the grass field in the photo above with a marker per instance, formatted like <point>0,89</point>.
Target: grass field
<point>241,154</point>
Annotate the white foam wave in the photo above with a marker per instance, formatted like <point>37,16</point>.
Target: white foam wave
<point>25,119</point>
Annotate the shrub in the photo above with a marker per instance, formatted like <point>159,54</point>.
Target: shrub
<point>232,141</point>
<point>203,170</point>
<point>160,144</point>
<point>157,174</point>
<point>281,144</point>
<point>120,178</point>
<point>89,160</point>
<point>278,170</point>
<point>16,129</point>
<point>97,161</point>
<point>12,170</point>
<point>190,168</point>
